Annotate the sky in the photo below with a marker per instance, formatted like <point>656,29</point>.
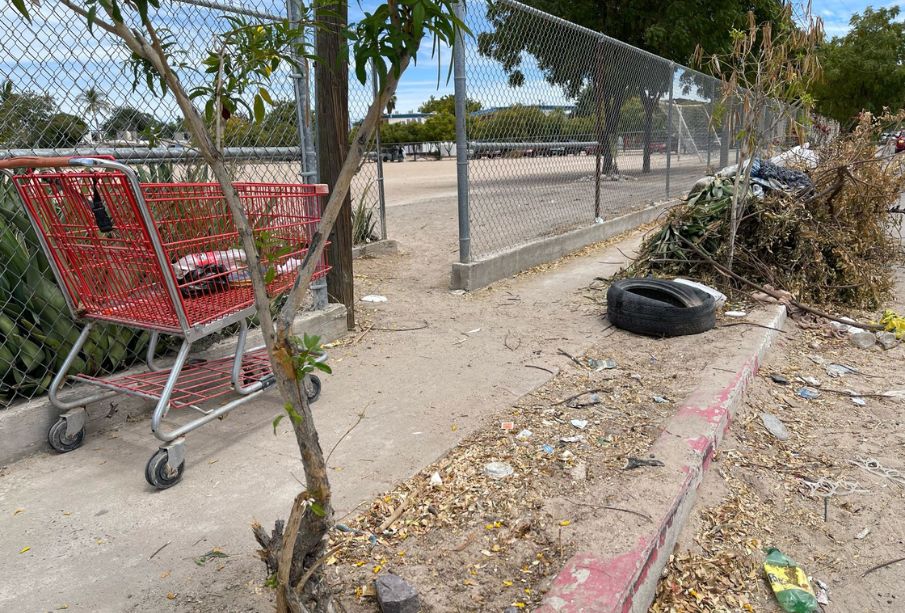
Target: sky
<point>57,55</point>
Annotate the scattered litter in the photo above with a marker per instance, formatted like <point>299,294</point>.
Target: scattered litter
<point>373,298</point>
<point>457,292</point>
<point>719,297</point>
<point>838,370</point>
<point>863,340</point>
<point>790,583</point>
<point>735,314</point>
<point>775,426</point>
<point>822,592</point>
<point>812,381</point>
<point>817,359</point>
<point>436,480</point>
<point>779,379</point>
<point>548,449</point>
<point>660,399</point>
<point>581,424</point>
<point>507,425</point>
<point>524,435</point>
<point>875,468</point>
<point>827,488</point>
<point>593,399</point>
<point>566,455</point>
<point>475,331</point>
<point>498,470</point>
<point>808,393</point>
<point>863,534</point>
<point>632,463</point>
<point>598,365</point>
<point>572,439</point>
<point>635,376</point>
<point>210,555</point>
<point>859,401</point>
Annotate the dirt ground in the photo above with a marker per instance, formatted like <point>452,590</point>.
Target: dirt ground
<point>810,496</point>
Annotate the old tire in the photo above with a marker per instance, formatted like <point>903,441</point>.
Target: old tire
<point>659,308</point>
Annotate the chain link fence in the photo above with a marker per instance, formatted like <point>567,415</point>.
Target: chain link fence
<point>566,126</point>
<point>68,91</point>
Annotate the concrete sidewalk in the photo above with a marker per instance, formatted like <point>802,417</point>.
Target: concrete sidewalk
<point>93,527</point>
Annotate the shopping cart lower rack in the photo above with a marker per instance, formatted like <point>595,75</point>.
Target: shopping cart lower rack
<point>166,258</point>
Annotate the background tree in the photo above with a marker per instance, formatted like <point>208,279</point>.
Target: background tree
<point>129,119</point>
<point>387,39</point>
<point>94,102</point>
<point>447,104</point>
<point>22,116</point>
<point>865,69</point>
<point>671,30</point>
<point>61,131</point>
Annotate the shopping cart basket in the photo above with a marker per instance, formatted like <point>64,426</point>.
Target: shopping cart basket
<point>166,258</point>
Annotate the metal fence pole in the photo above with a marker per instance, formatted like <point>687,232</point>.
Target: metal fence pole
<point>672,78</point>
<point>598,127</point>
<point>381,197</point>
<point>727,134</point>
<point>308,159</point>
<point>461,138</point>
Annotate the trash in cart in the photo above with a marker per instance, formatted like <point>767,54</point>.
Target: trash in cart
<point>161,257</point>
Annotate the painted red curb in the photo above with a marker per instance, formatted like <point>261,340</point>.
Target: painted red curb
<point>627,582</point>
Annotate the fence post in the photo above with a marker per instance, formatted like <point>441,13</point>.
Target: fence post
<point>599,121</point>
<point>727,134</point>
<point>672,78</point>
<point>381,198</point>
<point>308,159</point>
<point>461,138</point>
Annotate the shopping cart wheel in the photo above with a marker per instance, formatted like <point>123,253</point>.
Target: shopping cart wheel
<point>313,388</point>
<point>64,441</point>
<point>158,474</point>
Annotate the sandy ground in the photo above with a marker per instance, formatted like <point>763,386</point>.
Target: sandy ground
<point>757,493</point>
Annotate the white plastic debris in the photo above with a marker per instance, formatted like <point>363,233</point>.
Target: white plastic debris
<point>859,401</point>
<point>524,435</point>
<point>736,314</point>
<point>775,426</point>
<point>581,424</point>
<point>373,298</point>
<point>718,296</point>
<point>862,534</point>
<point>436,480</point>
<point>799,155</point>
<point>498,470</point>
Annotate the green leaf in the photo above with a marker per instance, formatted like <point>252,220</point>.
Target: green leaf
<point>318,509</point>
<point>293,414</point>
<point>92,15</point>
<point>323,366</point>
<point>276,422</point>
<point>22,8</point>
<point>259,108</point>
<point>265,95</point>
<point>270,275</point>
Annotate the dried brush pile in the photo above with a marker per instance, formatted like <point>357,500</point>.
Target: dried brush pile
<point>832,244</point>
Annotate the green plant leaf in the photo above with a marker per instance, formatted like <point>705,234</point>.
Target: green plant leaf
<point>276,422</point>
<point>318,509</point>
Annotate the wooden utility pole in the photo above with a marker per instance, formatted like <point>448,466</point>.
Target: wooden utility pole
<point>331,75</point>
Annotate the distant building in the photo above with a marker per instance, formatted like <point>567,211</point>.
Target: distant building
<point>406,118</point>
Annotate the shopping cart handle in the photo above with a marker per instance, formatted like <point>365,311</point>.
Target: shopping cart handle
<point>49,162</point>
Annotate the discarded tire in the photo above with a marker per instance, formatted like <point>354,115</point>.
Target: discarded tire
<point>659,308</point>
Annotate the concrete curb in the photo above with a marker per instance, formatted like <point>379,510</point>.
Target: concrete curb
<point>626,581</point>
<point>23,427</point>
<point>475,275</point>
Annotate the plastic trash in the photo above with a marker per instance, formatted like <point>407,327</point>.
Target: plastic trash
<point>660,399</point>
<point>436,480</point>
<point>498,470</point>
<point>548,449</point>
<point>838,370</point>
<point>598,365</point>
<point>808,393</point>
<point>790,584</point>
<point>775,426</point>
<point>373,298</point>
<point>859,401</point>
<point>812,381</point>
<point>524,435</point>
<point>581,424</point>
<point>735,314</point>
<point>718,297</point>
<point>571,439</point>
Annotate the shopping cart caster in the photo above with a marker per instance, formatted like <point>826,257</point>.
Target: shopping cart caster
<point>160,472</point>
<point>68,433</point>
<point>313,388</point>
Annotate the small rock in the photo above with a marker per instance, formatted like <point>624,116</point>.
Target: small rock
<point>775,426</point>
<point>660,400</point>
<point>887,339</point>
<point>436,480</point>
<point>579,472</point>
<point>395,595</point>
<point>779,379</point>
<point>863,340</point>
<point>862,534</point>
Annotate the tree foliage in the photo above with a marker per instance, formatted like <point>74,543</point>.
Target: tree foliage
<point>865,69</point>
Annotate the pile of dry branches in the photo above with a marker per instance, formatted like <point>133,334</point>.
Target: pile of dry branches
<point>832,245</point>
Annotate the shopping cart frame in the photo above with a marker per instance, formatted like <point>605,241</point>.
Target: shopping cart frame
<point>167,465</point>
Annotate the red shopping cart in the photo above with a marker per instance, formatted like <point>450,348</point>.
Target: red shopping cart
<point>162,257</point>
